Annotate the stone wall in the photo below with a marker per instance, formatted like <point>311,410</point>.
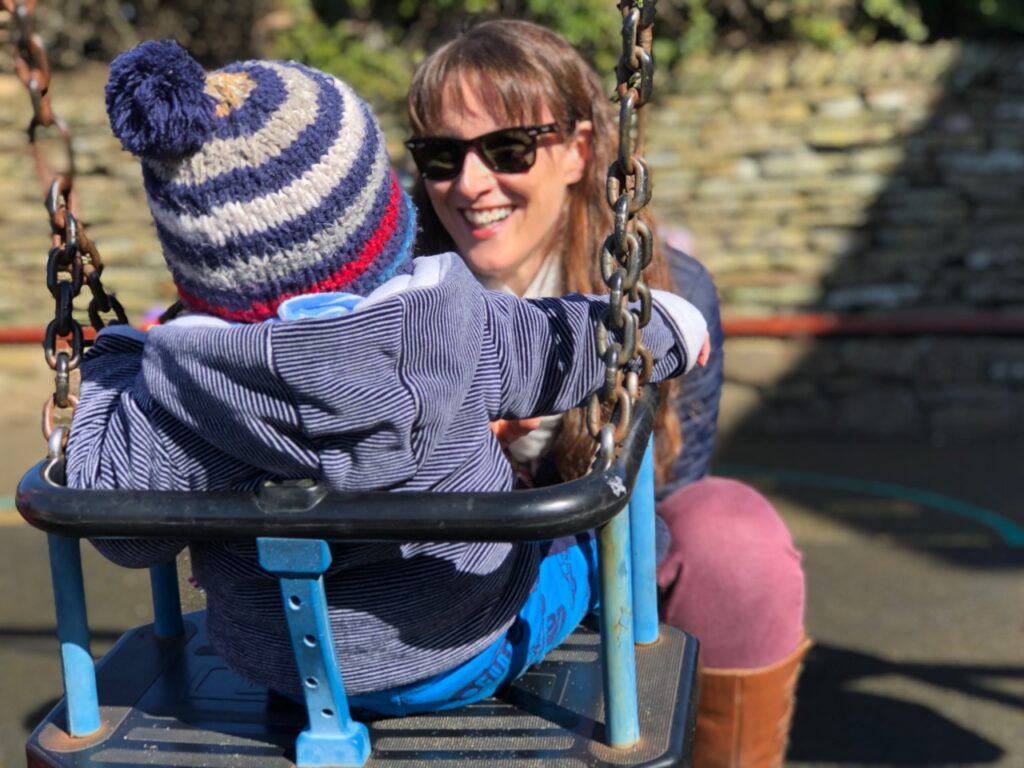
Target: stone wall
<point>889,177</point>
<point>944,388</point>
<point>878,180</point>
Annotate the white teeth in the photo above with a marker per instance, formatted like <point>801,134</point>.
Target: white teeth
<point>485,217</point>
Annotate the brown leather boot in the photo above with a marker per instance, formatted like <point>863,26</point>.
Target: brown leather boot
<point>744,715</point>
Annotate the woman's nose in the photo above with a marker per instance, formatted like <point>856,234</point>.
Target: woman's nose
<point>475,176</point>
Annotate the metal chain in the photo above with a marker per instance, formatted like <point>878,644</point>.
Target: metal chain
<point>73,259</point>
<point>629,248</point>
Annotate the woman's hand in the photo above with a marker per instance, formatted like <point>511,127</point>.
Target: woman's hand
<point>509,430</point>
<point>705,351</point>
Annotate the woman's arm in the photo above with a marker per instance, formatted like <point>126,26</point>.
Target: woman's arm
<point>698,393</point>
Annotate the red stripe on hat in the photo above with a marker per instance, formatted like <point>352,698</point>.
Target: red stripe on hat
<point>350,271</point>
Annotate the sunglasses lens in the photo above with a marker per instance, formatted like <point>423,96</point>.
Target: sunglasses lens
<point>438,159</point>
<point>510,151</point>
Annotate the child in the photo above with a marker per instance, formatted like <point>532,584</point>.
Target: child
<point>272,192</point>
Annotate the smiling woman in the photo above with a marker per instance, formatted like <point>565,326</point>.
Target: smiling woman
<point>504,224</point>
<point>513,134</point>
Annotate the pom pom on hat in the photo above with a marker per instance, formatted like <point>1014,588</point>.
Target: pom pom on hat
<point>157,102</point>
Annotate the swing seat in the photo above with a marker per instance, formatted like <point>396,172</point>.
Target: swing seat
<point>174,703</point>
<point>161,696</point>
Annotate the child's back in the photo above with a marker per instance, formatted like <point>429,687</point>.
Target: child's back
<point>395,395</point>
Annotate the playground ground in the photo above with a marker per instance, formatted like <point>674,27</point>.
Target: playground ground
<point>914,556</point>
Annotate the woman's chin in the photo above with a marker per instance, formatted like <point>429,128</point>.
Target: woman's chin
<point>514,271</point>
<point>485,265</point>
<point>487,256</point>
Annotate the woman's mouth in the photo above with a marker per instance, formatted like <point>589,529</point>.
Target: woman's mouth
<point>486,217</point>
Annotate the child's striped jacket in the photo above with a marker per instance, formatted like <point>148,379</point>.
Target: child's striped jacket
<point>396,395</point>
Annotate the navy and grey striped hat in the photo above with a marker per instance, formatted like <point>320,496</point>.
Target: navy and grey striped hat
<point>266,179</point>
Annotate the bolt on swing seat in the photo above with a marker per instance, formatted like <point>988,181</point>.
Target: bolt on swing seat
<point>161,697</point>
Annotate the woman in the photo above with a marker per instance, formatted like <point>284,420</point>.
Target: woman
<point>512,135</point>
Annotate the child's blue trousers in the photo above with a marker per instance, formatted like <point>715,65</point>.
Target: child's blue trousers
<point>565,591</point>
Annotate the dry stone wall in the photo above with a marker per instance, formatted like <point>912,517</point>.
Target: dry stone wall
<point>883,178</point>
<point>879,180</point>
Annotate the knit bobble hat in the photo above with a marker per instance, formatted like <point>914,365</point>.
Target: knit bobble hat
<point>266,179</point>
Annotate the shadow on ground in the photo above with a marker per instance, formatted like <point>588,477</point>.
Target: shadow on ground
<point>837,723</point>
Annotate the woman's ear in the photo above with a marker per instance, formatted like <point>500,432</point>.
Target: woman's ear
<point>578,151</point>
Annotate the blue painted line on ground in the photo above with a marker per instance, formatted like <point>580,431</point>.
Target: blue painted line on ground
<point>1010,532</point>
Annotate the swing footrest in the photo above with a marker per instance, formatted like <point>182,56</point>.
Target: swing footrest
<point>174,703</point>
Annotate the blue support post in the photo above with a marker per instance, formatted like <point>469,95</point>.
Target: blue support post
<point>333,738</point>
<point>642,532</point>
<point>163,581</point>
<point>81,702</point>
<point>622,722</point>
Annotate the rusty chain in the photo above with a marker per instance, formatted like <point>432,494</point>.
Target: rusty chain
<point>628,250</point>
<point>73,259</point>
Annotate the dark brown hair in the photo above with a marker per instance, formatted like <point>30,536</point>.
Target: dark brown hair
<point>520,68</point>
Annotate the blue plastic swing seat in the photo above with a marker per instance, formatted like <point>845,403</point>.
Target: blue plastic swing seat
<point>161,696</point>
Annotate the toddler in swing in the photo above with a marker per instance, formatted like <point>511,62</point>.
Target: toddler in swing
<point>315,346</point>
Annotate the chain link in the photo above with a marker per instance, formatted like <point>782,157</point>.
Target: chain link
<point>73,259</point>
<point>628,250</point>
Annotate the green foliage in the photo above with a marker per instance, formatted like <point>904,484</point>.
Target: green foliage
<point>376,45</point>
<point>897,15</point>
<point>974,17</point>
<point>825,23</point>
<point>214,31</point>
<point>369,55</point>
<point>699,33</point>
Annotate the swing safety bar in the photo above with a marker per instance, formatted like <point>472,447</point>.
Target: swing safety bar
<point>309,510</point>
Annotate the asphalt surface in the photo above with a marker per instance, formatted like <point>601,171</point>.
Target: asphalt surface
<point>914,557</point>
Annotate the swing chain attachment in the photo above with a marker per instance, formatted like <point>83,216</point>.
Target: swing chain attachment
<point>628,251</point>
<point>73,259</point>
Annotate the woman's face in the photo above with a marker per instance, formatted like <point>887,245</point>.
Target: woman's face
<point>505,224</point>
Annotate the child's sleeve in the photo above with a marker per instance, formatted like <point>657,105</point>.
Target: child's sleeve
<point>541,354</point>
<point>111,441</point>
<point>114,440</point>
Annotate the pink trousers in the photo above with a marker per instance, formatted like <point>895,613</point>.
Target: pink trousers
<point>731,576</point>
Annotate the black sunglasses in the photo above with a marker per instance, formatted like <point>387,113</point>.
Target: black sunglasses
<point>510,150</point>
